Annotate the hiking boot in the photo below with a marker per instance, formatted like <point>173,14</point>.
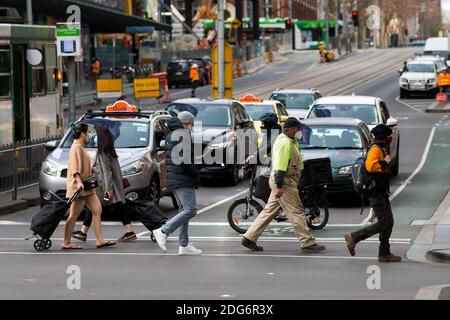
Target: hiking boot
<point>251,245</point>
<point>350,244</point>
<point>315,248</point>
<point>79,235</point>
<point>129,236</point>
<point>389,258</point>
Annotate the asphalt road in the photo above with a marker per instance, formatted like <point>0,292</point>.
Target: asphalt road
<point>228,271</point>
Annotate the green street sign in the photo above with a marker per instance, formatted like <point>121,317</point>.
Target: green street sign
<point>68,31</point>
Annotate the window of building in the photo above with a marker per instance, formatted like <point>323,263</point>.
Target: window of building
<point>5,74</point>
<point>38,78</point>
<point>50,67</point>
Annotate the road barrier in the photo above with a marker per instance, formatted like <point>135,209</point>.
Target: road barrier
<point>238,69</point>
<point>163,83</point>
<point>20,164</point>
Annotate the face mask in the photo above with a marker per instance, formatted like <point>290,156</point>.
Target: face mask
<point>389,140</point>
<point>299,135</point>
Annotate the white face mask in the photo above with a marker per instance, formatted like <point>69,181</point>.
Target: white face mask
<point>299,135</point>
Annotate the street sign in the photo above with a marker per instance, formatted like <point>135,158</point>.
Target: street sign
<point>199,29</point>
<point>68,38</point>
<point>177,29</point>
<point>236,24</point>
<point>441,98</point>
<point>109,88</point>
<point>146,88</point>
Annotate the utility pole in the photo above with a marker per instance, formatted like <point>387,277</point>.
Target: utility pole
<point>221,47</point>
<point>29,12</point>
<point>327,25</point>
<point>290,9</point>
<point>336,25</point>
<point>71,83</point>
<point>344,17</point>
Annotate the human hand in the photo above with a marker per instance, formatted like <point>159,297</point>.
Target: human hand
<point>280,192</point>
<point>80,186</point>
<point>388,159</point>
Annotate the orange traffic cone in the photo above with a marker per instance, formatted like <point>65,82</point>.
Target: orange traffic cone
<point>166,97</point>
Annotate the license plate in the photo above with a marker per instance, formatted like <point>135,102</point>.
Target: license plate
<point>417,87</point>
<point>179,73</point>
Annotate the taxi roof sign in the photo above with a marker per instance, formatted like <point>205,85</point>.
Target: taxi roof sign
<point>250,98</point>
<point>121,106</point>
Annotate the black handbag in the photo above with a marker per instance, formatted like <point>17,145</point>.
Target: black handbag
<point>90,182</point>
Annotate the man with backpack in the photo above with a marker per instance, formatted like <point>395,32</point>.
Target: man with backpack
<point>377,165</point>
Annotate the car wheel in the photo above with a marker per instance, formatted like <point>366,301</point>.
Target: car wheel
<point>403,93</point>
<point>234,178</point>
<point>154,192</point>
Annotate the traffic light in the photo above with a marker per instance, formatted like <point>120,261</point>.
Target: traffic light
<point>355,13</point>
<point>355,18</point>
<point>288,23</point>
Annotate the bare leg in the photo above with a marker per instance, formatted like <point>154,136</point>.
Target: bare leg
<point>84,229</point>
<point>128,228</point>
<point>75,211</point>
<point>96,208</point>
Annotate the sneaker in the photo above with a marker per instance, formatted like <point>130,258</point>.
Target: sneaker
<point>389,258</point>
<point>129,236</point>
<point>161,239</point>
<point>79,235</point>
<point>189,250</point>
<point>315,248</point>
<point>350,244</point>
<point>251,245</point>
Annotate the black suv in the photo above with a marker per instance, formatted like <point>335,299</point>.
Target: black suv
<point>178,72</point>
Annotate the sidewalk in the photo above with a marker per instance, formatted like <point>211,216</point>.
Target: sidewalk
<point>26,197</point>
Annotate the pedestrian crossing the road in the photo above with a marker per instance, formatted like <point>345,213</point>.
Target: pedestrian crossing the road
<point>418,104</point>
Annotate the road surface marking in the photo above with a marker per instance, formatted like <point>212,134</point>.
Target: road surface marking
<point>407,105</point>
<point>415,172</point>
<point>419,167</point>
<point>213,255</point>
<point>222,202</point>
<point>238,238</point>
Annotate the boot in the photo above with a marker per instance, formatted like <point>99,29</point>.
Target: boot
<point>251,245</point>
<point>389,258</point>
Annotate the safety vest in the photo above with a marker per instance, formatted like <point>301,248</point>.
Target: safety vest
<point>444,79</point>
<point>193,74</point>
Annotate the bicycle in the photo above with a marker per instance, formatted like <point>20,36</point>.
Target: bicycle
<point>243,212</point>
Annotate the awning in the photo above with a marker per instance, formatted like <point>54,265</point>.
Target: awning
<point>100,19</point>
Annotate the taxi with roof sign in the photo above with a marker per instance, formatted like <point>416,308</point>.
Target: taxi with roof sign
<point>137,136</point>
<point>257,108</point>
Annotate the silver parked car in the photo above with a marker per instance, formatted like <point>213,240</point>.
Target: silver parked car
<point>137,141</point>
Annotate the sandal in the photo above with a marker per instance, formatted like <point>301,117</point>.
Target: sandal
<point>107,244</point>
<point>70,247</point>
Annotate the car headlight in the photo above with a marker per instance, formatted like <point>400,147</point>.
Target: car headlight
<point>133,168</point>
<point>49,168</point>
<point>431,80</point>
<point>404,81</point>
<point>345,170</point>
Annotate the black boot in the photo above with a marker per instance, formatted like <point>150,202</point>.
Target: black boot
<point>251,245</point>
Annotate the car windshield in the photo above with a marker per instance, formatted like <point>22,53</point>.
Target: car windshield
<point>211,115</point>
<point>294,100</point>
<point>366,113</point>
<point>420,68</point>
<point>177,66</point>
<point>327,137</point>
<point>256,111</point>
<point>127,134</point>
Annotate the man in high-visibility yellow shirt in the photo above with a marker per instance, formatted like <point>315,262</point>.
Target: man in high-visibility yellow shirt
<point>287,165</point>
<point>195,78</point>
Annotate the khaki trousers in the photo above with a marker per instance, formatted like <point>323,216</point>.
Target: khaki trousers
<point>293,208</point>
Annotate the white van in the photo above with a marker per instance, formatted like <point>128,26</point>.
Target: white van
<point>437,46</point>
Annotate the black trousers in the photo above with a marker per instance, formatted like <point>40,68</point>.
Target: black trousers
<point>382,208</point>
<point>118,207</point>
<point>194,86</point>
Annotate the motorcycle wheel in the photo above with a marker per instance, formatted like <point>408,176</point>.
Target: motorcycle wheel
<point>237,214</point>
